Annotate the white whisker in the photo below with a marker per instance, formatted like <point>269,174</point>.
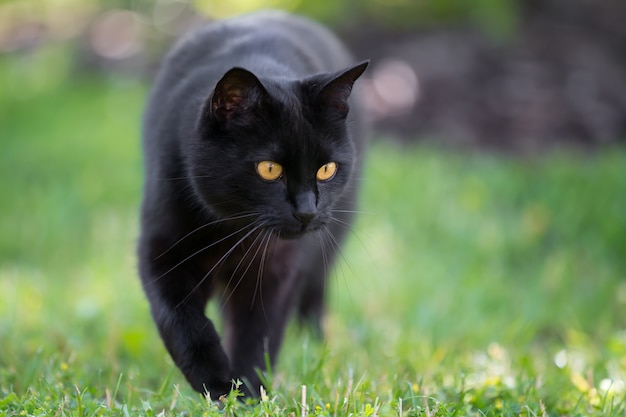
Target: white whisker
<point>348,227</point>
<point>200,251</point>
<point>243,274</point>
<point>352,211</point>
<point>332,241</point>
<point>323,251</point>
<point>260,270</point>
<point>260,275</point>
<point>195,288</point>
<point>236,217</point>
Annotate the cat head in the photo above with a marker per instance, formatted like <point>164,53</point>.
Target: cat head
<point>277,151</point>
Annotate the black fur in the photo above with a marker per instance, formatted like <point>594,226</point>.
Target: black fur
<point>264,87</point>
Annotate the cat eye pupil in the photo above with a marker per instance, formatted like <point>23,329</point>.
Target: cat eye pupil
<point>269,171</point>
<point>327,171</point>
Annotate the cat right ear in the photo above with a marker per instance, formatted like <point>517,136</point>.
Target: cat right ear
<point>336,92</point>
<point>235,96</point>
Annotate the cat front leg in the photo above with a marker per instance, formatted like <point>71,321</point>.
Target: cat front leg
<point>177,307</point>
<point>195,347</point>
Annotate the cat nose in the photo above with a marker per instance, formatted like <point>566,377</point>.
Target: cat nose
<point>305,218</point>
<point>305,207</point>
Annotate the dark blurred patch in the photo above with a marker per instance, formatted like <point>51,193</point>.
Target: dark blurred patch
<point>561,79</point>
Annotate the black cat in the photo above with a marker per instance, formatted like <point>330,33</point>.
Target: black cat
<point>252,163</point>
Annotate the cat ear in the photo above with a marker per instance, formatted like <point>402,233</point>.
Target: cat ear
<point>235,94</point>
<point>334,95</point>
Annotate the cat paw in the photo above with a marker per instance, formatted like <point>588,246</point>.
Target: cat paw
<point>213,390</point>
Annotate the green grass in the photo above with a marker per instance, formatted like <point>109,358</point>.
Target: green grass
<point>472,285</point>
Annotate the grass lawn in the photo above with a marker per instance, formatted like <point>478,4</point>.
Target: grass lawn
<point>472,285</point>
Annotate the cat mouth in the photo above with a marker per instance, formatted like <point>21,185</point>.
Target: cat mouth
<point>295,233</point>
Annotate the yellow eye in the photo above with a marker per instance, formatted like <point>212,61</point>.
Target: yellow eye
<point>327,171</point>
<point>269,171</point>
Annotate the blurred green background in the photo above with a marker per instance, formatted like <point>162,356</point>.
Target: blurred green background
<point>482,227</point>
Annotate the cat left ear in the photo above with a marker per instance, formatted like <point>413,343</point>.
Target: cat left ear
<point>236,93</point>
<point>336,92</point>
